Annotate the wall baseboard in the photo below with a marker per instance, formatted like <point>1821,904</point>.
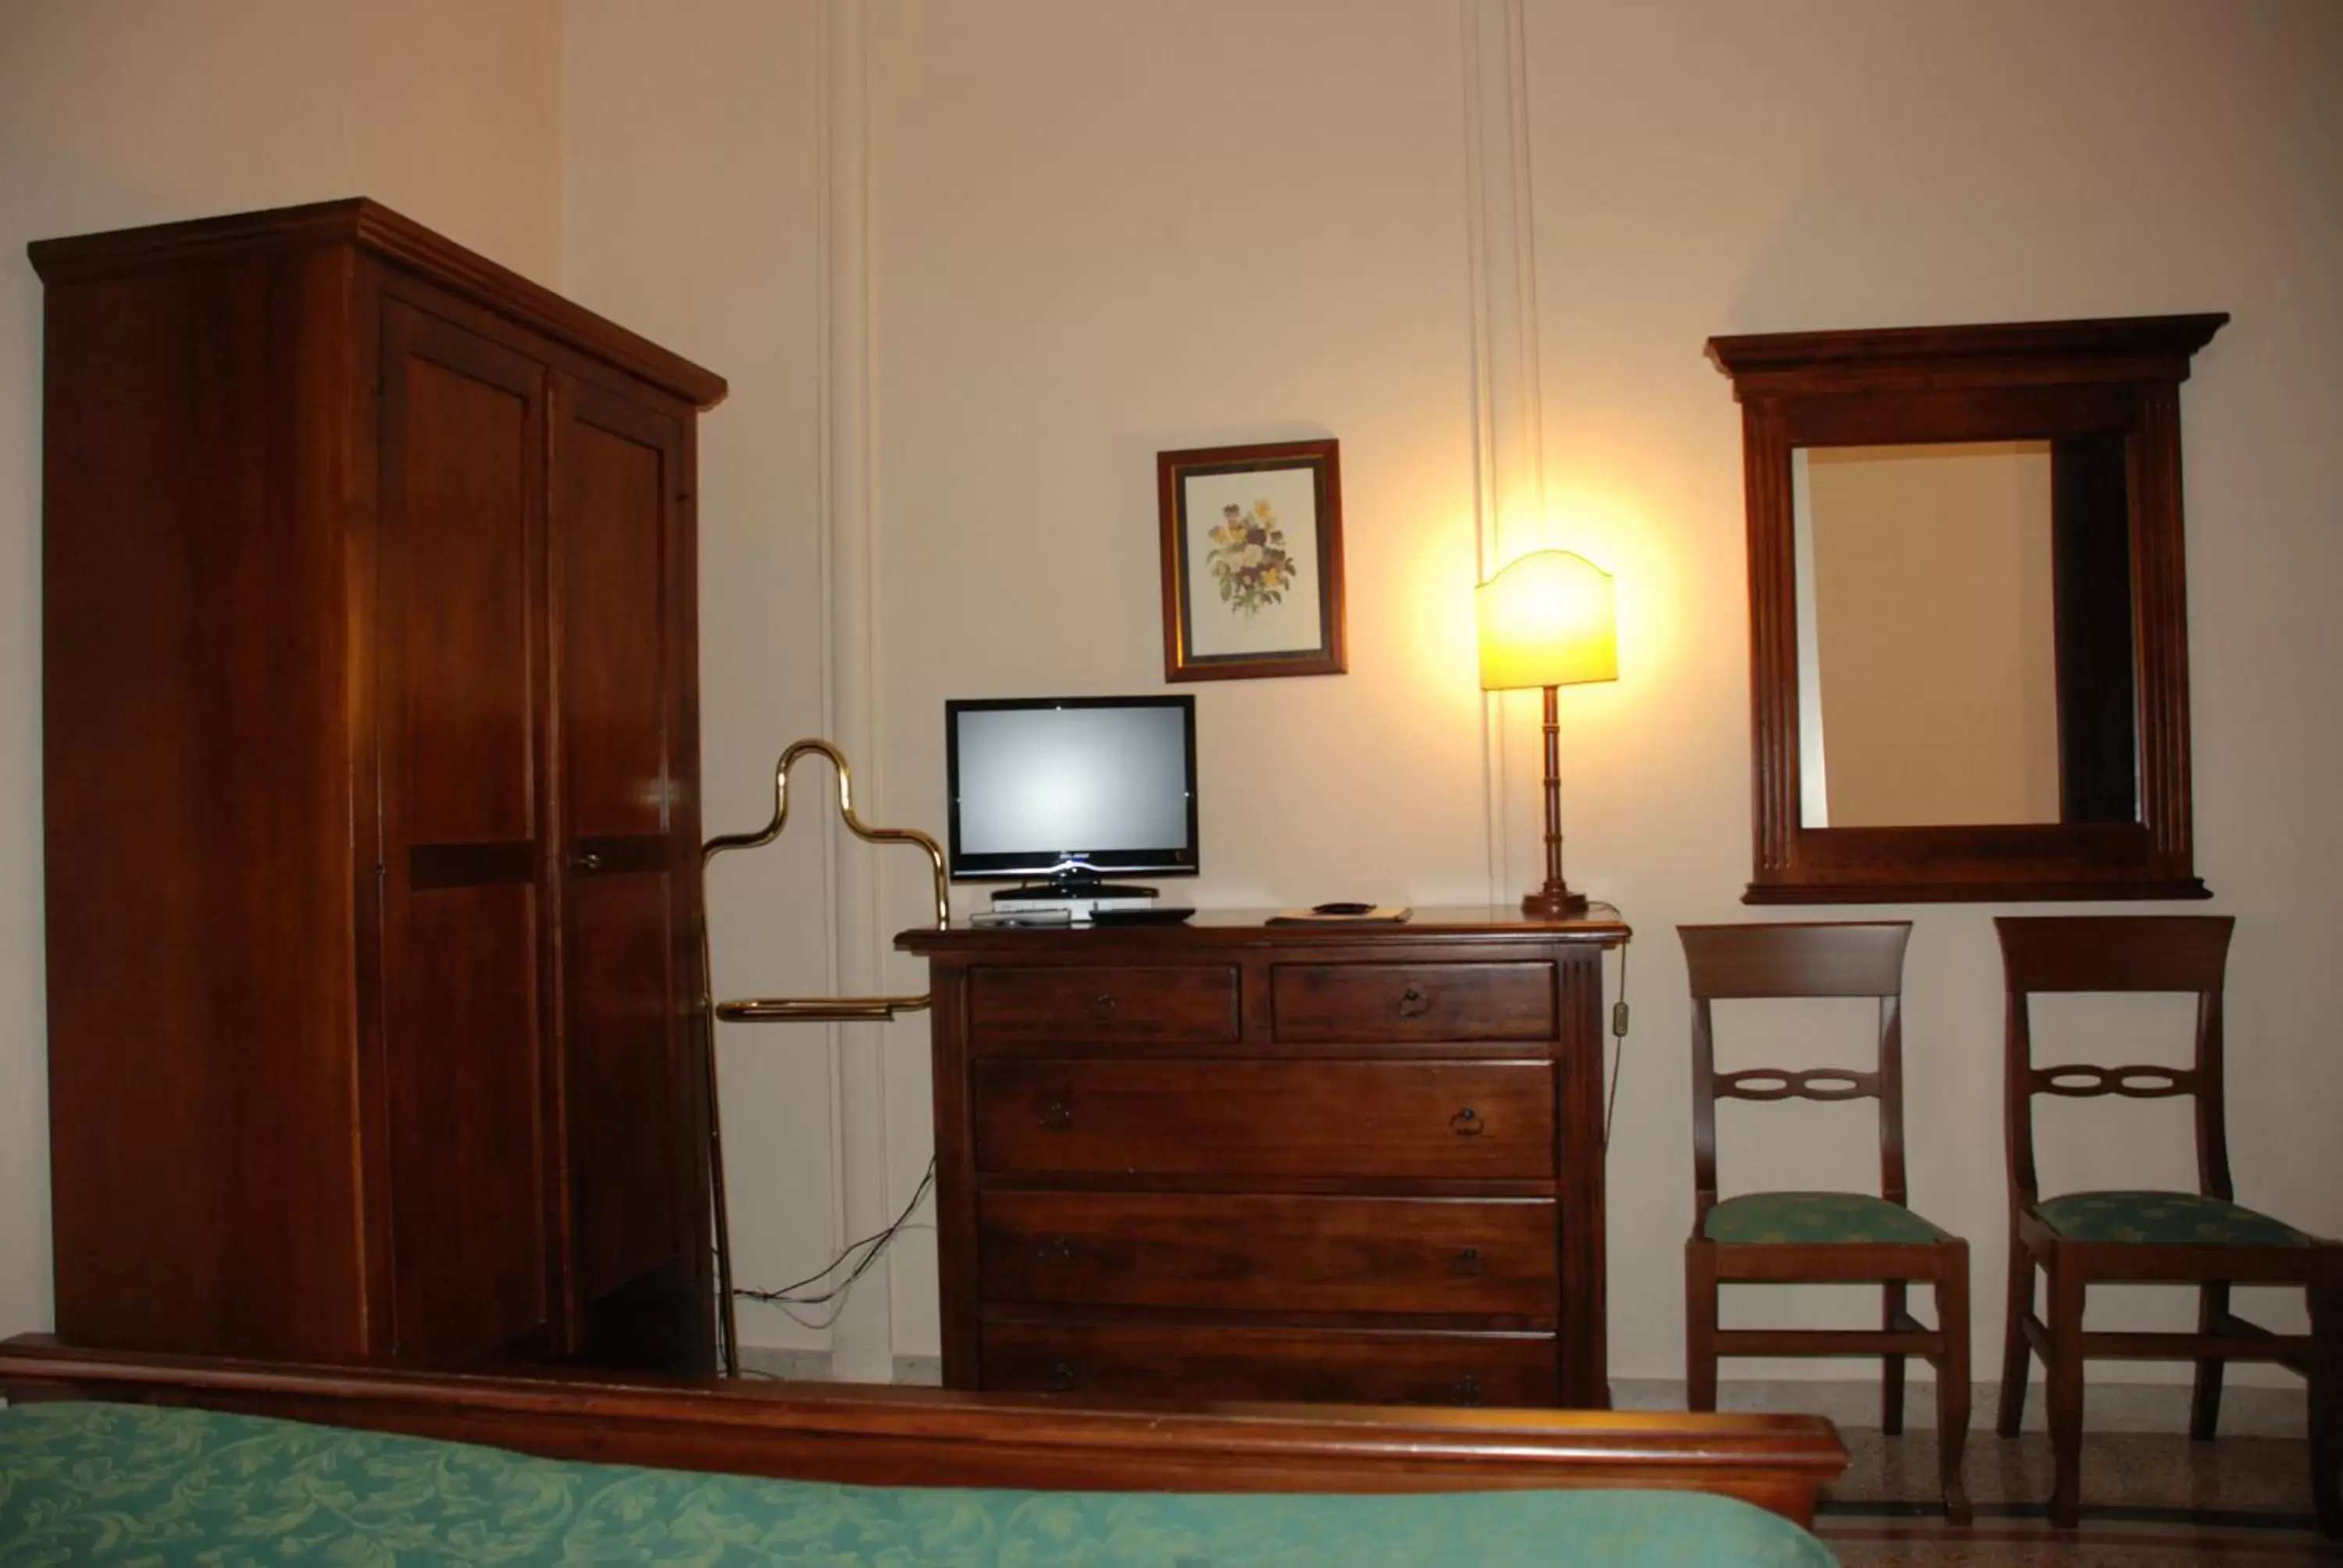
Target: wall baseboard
<point>815,1366</point>
<point>2106,1406</point>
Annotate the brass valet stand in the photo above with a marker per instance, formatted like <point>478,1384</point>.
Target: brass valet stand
<point>786,1009</point>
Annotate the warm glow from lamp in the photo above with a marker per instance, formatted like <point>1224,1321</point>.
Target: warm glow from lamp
<point>1547,619</point>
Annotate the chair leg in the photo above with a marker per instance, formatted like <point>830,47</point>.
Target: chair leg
<point>2205,1400</point>
<point>1952,1383</point>
<point>2066,1394</point>
<point>1700,1327</point>
<point>1891,1368</point>
<point>2326,1406</point>
<point>2014,1350</point>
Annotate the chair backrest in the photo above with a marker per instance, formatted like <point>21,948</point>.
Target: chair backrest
<point>1848,959</point>
<point>2171,953</point>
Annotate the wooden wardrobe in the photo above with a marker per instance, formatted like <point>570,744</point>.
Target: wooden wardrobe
<point>373,819</point>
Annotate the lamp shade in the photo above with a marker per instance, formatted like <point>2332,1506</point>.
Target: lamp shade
<point>1546,620</point>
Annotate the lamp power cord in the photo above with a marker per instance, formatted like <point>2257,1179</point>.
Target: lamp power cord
<point>856,1257</point>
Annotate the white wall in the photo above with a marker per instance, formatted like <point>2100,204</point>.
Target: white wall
<point>115,113</point>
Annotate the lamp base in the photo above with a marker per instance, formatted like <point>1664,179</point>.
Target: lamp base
<point>1554,902</point>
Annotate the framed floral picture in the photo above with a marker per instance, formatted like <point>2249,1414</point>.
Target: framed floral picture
<point>1252,560</point>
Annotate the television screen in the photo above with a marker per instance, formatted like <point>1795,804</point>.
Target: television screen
<point>1068,788</point>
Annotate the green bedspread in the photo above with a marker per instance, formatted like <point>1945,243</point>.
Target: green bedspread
<point>137,1485</point>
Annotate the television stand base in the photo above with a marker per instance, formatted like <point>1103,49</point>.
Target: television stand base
<point>1075,888</point>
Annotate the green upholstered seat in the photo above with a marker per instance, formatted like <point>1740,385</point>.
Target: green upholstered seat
<point>138,1487</point>
<point>1805,1217</point>
<point>2163,1218</point>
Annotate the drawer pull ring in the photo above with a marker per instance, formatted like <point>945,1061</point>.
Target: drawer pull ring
<point>1468,1390</point>
<point>1057,1116</point>
<point>1061,1379</point>
<point>1468,1260</point>
<point>1056,1249</point>
<point>1102,1007</point>
<point>1413,1003</point>
<point>1467,1123</point>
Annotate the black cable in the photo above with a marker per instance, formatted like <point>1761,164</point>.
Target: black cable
<point>876,1242</point>
<point>1618,1041</point>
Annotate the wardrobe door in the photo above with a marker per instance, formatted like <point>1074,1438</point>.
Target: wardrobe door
<point>621,595</point>
<point>461,680</point>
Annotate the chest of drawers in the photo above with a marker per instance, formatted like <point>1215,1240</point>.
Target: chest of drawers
<point>1235,1160</point>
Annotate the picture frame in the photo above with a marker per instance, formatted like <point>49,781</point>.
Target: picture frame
<point>1252,560</point>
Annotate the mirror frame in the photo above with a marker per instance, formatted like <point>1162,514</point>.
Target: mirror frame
<point>1988,383</point>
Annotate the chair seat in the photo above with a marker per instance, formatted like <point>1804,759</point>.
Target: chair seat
<point>1809,1218</point>
<point>2163,1218</point>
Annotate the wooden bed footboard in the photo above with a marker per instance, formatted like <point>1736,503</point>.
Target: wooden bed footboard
<point>932,1437</point>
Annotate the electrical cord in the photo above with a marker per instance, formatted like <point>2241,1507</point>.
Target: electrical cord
<point>870,1246</point>
<point>1618,1044</point>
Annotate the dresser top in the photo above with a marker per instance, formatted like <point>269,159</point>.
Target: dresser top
<point>1478,923</point>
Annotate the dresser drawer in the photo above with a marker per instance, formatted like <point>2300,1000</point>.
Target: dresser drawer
<point>1189,1002</point>
<point>1395,1120</point>
<point>1428,1001</point>
<point>1268,1254</point>
<point>1138,1361</point>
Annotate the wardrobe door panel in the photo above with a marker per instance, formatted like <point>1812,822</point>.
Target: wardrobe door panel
<point>621,1082</point>
<point>618,483</point>
<point>471,1247</point>
<point>615,657</point>
<point>475,1194</point>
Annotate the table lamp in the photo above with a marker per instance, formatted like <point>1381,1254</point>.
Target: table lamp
<point>1546,620</point>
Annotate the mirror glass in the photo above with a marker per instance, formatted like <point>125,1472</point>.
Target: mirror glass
<point>1964,633</point>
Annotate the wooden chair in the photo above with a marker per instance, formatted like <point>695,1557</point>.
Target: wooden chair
<point>1821,1237</point>
<point>2204,1238</point>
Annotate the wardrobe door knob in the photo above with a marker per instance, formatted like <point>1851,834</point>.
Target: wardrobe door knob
<point>586,862</point>
<point>1102,1007</point>
<point>1057,1116</point>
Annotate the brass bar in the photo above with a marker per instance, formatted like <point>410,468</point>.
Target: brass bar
<point>811,1009</point>
<point>788,1010</point>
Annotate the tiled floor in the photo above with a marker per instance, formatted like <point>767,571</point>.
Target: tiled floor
<point>2148,1498</point>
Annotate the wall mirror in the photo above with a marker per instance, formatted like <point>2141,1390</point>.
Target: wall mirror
<point>1967,620</point>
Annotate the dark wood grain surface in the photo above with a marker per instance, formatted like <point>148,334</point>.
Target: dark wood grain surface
<point>200,799</point>
<point>1378,1366</point>
<point>2184,955</point>
<point>931,1437</point>
<point>351,1052</point>
<point>1241,1118</point>
<point>2111,381</point>
<point>1269,1252</point>
<point>1777,961</point>
<point>1293,1136</point>
<point>1185,1002</point>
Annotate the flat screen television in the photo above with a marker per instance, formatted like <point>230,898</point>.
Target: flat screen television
<point>1065,792</point>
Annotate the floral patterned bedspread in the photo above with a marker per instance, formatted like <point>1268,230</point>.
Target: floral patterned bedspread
<point>104,1483</point>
